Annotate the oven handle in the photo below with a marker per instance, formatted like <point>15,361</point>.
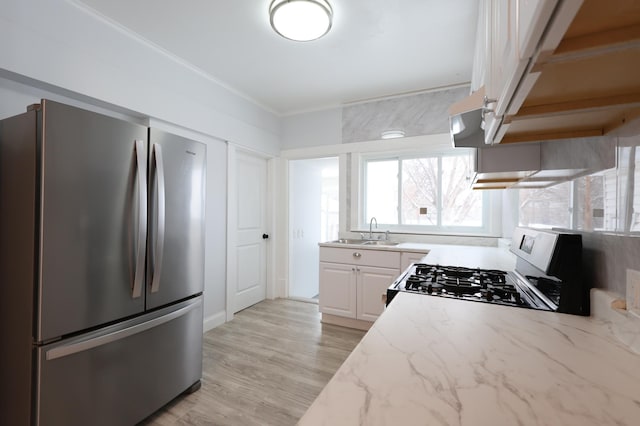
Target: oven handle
<point>527,289</point>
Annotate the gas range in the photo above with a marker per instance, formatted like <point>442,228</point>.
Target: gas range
<point>479,285</point>
<point>547,276</point>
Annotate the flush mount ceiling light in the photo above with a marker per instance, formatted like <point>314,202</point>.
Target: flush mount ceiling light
<point>301,20</point>
<point>392,134</point>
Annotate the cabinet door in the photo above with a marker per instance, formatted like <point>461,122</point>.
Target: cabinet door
<point>533,16</point>
<point>337,289</point>
<point>372,285</point>
<point>507,66</point>
<point>407,258</point>
<point>516,31</point>
<point>482,52</point>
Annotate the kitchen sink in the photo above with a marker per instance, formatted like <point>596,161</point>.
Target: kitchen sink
<point>380,243</point>
<point>365,242</point>
<point>348,241</point>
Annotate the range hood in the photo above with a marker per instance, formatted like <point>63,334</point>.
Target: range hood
<point>466,121</point>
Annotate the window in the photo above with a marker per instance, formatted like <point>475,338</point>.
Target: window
<point>423,194</point>
<point>546,207</point>
<point>586,203</point>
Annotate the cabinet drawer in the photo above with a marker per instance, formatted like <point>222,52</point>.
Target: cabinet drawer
<point>352,256</point>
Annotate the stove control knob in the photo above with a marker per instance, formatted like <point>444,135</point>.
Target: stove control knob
<point>429,289</point>
<point>489,295</point>
<point>518,298</point>
<point>483,280</point>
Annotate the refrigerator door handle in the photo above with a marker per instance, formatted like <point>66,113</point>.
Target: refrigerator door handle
<point>141,159</point>
<point>85,345</point>
<point>157,262</point>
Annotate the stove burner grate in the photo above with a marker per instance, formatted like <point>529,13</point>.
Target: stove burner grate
<point>473,284</point>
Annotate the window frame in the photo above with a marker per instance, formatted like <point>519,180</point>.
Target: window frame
<point>491,223</point>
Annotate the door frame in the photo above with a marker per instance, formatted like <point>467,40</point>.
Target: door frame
<point>285,290</point>
<point>282,208</point>
<point>232,214</point>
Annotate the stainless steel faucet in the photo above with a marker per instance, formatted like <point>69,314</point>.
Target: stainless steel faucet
<point>370,226</point>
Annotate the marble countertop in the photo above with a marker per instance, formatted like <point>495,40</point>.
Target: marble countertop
<point>448,254</point>
<point>410,247</point>
<point>438,361</point>
<point>471,256</point>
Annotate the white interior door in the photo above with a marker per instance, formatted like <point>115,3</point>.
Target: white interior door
<point>250,250</point>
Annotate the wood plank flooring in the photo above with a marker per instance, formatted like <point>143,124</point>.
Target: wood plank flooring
<point>263,368</point>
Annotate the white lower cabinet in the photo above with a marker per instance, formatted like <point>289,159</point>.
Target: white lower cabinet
<point>352,282</point>
<point>354,291</point>
<point>372,284</point>
<point>338,289</point>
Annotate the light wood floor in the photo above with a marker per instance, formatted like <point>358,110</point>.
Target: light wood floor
<point>263,368</point>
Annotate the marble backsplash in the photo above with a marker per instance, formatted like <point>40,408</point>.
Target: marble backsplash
<point>612,245</point>
<point>606,258</point>
<point>420,114</point>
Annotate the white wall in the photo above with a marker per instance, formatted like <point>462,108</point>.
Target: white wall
<point>311,129</point>
<point>61,47</point>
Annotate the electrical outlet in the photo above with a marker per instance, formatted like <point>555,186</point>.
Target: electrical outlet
<point>633,291</point>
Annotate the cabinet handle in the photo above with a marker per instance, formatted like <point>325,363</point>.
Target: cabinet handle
<point>356,254</point>
<point>485,105</point>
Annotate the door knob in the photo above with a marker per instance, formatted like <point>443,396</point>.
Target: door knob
<point>265,236</point>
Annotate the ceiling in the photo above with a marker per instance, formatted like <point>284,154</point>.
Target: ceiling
<point>375,49</point>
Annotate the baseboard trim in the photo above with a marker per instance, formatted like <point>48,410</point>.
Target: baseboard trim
<point>214,320</point>
<point>346,322</point>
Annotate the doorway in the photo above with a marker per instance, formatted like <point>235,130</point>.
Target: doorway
<point>313,218</point>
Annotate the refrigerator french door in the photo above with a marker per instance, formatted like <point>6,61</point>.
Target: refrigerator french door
<point>102,250</point>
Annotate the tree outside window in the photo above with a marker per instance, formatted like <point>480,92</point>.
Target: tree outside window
<point>432,192</point>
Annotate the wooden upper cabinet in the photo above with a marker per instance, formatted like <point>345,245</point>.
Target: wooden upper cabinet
<point>581,73</point>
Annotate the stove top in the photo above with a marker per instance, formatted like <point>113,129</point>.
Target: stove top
<point>547,276</point>
<point>481,285</point>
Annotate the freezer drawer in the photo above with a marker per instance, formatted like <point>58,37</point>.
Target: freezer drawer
<point>121,374</point>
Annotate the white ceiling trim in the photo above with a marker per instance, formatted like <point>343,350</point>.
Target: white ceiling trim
<point>378,49</point>
<point>173,57</point>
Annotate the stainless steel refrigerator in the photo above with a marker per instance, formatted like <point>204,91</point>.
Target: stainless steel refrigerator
<point>101,267</point>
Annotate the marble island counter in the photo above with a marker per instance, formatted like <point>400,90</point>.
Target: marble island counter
<point>439,361</point>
